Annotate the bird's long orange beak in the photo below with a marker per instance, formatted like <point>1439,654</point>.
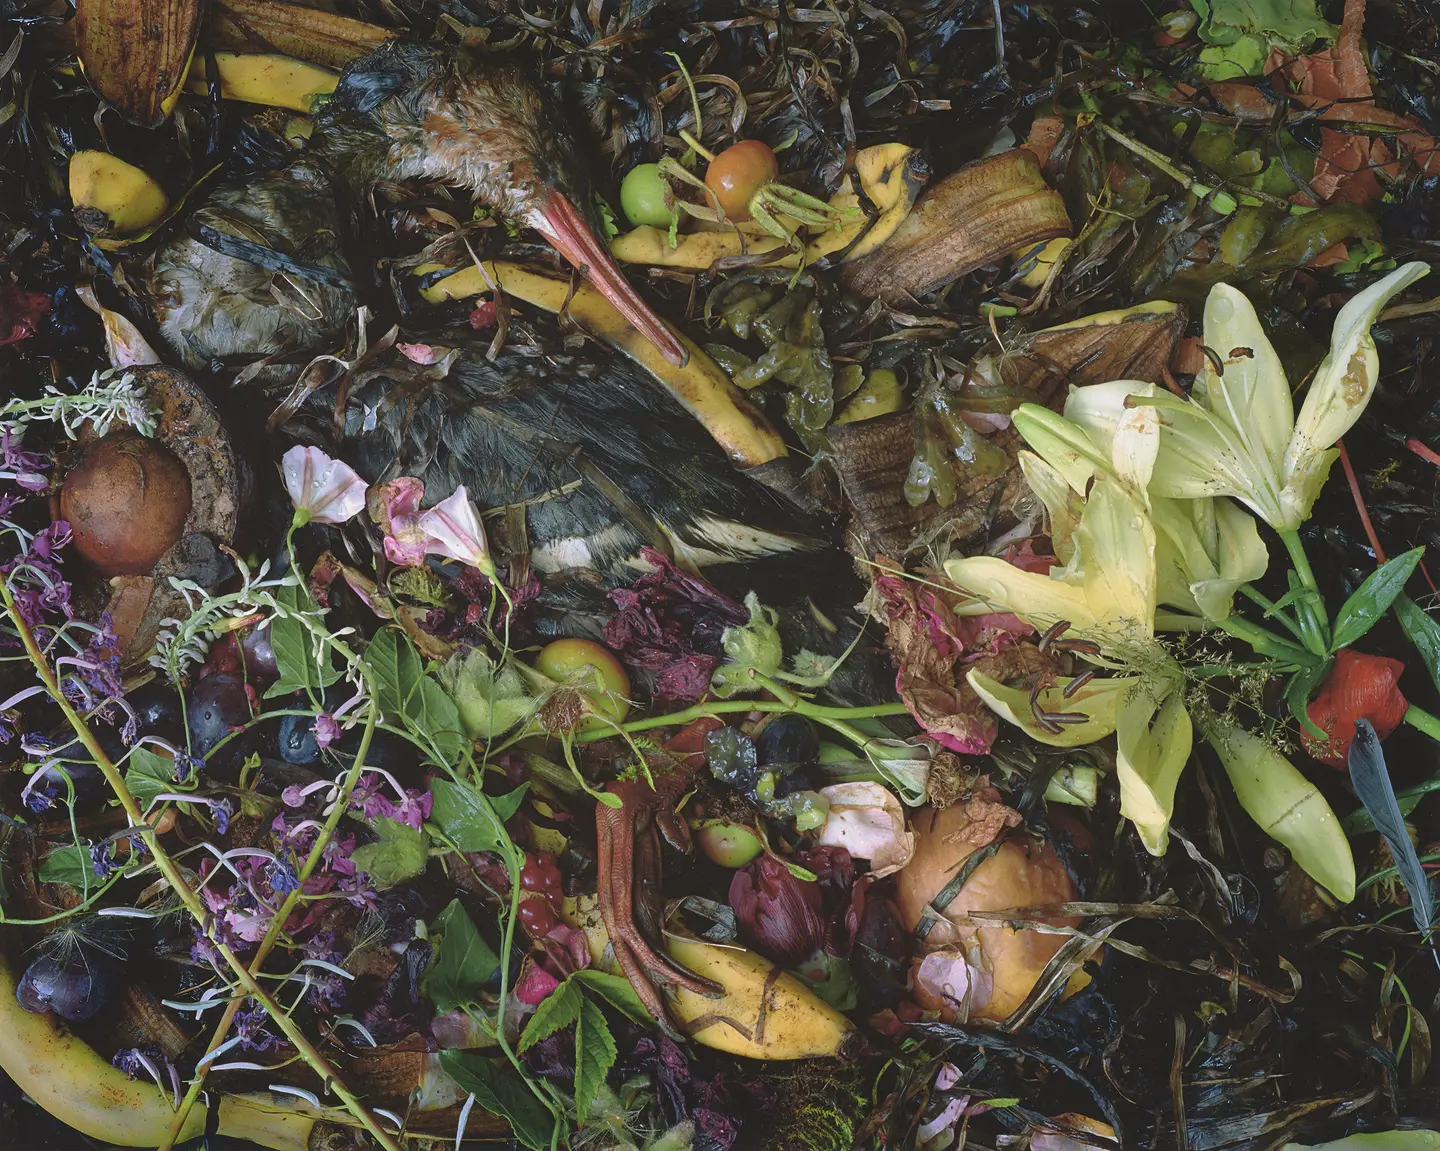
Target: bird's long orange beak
<point>569,234</point>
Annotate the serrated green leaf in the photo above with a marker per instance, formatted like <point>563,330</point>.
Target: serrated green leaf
<point>398,855</point>
<point>300,663</point>
<point>498,1088</point>
<point>466,816</point>
<point>1372,599</point>
<point>594,1055</point>
<point>557,1011</point>
<point>464,962</point>
<point>616,991</point>
<point>69,864</point>
<point>148,775</point>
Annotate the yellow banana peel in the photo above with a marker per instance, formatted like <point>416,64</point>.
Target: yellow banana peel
<point>67,1077</point>
<point>112,196</point>
<point>308,33</point>
<point>266,78</point>
<point>764,1013</point>
<point>887,175</point>
<point>701,386</point>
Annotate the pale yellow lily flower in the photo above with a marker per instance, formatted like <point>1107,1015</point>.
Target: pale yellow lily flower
<point>1238,435</point>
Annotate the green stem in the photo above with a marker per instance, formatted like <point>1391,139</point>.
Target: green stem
<point>1419,718</point>
<point>1222,202</point>
<point>829,716</point>
<point>173,875</point>
<point>277,924</point>
<point>1315,603</point>
<point>1271,611</point>
<point>1267,642</point>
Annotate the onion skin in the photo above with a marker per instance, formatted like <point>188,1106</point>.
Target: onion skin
<point>126,503</point>
<point>1024,872</point>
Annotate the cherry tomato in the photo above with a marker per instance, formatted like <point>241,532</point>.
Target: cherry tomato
<point>590,667</point>
<point>537,917</point>
<point>642,196</point>
<point>738,173</point>
<point>541,873</point>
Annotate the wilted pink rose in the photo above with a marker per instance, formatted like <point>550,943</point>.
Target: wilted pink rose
<point>535,984</point>
<point>867,820</point>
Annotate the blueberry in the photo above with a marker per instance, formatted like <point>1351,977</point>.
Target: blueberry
<point>297,739</point>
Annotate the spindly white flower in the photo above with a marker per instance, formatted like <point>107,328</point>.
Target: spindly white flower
<point>322,489</point>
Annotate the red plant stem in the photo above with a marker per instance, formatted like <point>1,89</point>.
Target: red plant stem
<point>1360,507</point>
<point>1429,455</point>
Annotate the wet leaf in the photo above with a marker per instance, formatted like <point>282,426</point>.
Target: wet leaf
<point>1372,599</point>
<point>498,1088</point>
<point>464,962</point>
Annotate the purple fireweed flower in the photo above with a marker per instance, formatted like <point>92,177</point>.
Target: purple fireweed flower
<point>327,731</point>
<point>105,860</point>
<point>16,464</point>
<point>250,1029</point>
<point>282,878</point>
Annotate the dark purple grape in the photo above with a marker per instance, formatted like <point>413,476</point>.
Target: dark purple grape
<point>215,705</point>
<point>74,987</point>
<point>157,710</point>
<point>259,656</point>
<point>787,739</point>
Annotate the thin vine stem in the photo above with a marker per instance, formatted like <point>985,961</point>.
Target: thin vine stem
<point>192,902</point>
<point>277,924</point>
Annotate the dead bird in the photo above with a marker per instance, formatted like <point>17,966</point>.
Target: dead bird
<point>603,459</point>
<point>262,268</point>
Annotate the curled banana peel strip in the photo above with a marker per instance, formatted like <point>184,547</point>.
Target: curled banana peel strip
<point>701,386</point>
<point>70,1080</point>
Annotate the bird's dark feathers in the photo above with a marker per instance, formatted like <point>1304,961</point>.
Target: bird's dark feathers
<point>603,458</point>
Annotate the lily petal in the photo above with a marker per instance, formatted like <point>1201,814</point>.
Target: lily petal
<point>1128,434</point>
<point>1061,502</point>
<point>1288,807</point>
<point>1116,542</point>
<point>1342,387</point>
<point>1096,700</point>
<point>1241,557</point>
<point>1252,396</point>
<point>1035,598</point>
<point>1065,446</point>
<point>1153,738</point>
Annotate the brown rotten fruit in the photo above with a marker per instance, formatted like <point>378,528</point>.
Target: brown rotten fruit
<point>1024,871</point>
<point>126,502</point>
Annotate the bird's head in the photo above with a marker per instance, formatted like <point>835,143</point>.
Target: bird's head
<point>482,121</point>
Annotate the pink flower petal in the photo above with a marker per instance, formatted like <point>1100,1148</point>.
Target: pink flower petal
<point>453,529</point>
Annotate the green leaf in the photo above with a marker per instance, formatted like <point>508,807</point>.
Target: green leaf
<point>594,1055</point>
<point>557,1011</point>
<point>498,1088</point>
<point>399,854</point>
<point>508,804</point>
<point>1423,631</point>
<point>395,668</point>
<point>406,693</point>
<point>1298,691</point>
<point>300,663</point>
<point>1372,599</point>
<point>615,990</point>
<point>464,962</point>
<point>466,816</point>
<point>147,775</point>
<point>69,864</point>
